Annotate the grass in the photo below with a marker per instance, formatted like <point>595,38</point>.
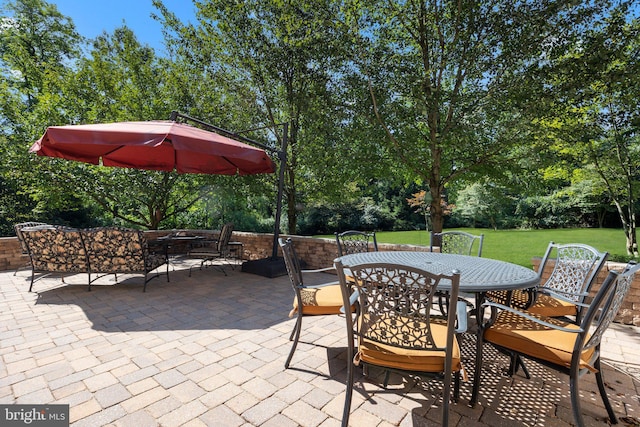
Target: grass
<point>519,246</point>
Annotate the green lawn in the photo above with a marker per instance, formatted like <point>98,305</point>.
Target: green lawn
<point>519,246</point>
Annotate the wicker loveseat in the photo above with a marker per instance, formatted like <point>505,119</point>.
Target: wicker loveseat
<point>96,252</point>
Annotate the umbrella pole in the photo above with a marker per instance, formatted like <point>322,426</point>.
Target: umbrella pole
<point>274,266</point>
<point>282,154</point>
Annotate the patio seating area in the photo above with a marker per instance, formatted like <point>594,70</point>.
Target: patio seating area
<point>209,349</point>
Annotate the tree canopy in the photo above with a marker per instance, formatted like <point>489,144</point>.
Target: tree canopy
<point>497,112</point>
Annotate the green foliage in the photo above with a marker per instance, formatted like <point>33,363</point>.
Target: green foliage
<point>440,75</point>
<point>118,80</point>
<point>483,203</point>
<point>228,199</point>
<point>380,207</point>
<point>37,44</point>
<point>277,62</point>
<point>521,114</point>
<point>588,110</point>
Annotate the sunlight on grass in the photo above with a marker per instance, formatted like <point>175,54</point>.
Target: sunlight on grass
<point>520,246</point>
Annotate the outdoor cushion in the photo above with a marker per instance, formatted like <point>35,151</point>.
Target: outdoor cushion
<point>320,300</point>
<point>56,249</point>
<point>417,360</point>
<point>116,250</point>
<point>547,305</point>
<point>525,336</point>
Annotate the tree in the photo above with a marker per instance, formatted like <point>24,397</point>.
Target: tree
<point>593,92</point>
<point>37,47</point>
<point>35,40</point>
<point>123,80</point>
<point>420,203</point>
<point>442,75</point>
<point>275,62</point>
<point>477,202</point>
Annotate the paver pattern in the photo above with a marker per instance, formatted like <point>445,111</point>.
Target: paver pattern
<point>209,350</point>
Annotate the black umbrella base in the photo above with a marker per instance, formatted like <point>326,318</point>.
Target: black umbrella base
<point>267,267</point>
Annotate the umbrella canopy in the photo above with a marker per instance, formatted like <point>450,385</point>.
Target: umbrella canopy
<point>154,145</point>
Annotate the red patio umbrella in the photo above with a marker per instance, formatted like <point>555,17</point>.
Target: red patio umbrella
<point>154,145</point>
<point>167,146</point>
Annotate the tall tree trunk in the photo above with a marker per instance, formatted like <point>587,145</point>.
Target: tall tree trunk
<point>630,230</point>
<point>437,211</point>
<point>628,219</point>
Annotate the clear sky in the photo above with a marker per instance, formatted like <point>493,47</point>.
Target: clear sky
<point>92,17</point>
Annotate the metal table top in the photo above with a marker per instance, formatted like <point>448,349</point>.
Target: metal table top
<point>477,274</point>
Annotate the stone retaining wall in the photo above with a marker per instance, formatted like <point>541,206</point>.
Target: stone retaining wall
<point>319,253</point>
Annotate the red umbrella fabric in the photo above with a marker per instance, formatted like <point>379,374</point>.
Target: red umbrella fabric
<point>154,145</point>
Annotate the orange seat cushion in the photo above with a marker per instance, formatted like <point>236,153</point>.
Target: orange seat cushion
<point>321,300</point>
<point>417,360</point>
<point>525,336</point>
<point>518,299</point>
<point>546,305</point>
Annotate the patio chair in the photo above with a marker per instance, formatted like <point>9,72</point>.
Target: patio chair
<point>563,293</point>
<point>575,268</point>
<point>117,250</point>
<point>353,241</point>
<point>557,343</point>
<point>23,246</point>
<point>395,327</point>
<point>217,249</point>
<point>456,242</point>
<point>308,300</point>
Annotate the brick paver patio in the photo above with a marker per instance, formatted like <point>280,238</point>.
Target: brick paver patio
<point>210,349</point>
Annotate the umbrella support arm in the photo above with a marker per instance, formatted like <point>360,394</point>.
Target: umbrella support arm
<point>176,115</point>
<point>281,154</point>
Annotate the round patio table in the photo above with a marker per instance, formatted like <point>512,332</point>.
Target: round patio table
<point>477,275</point>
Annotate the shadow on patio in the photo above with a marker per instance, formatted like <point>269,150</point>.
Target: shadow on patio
<point>210,349</point>
<point>206,300</point>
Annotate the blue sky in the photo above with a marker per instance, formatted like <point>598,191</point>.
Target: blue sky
<point>92,17</point>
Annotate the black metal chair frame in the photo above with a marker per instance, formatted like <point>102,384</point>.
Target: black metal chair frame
<point>23,246</point>
<point>458,243</point>
<point>455,242</point>
<point>394,300</point>
<point>575,271</point>
<point>354,241</point>
<point>218,249</point>
<point>295,273</point>
<point>599,315</point>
